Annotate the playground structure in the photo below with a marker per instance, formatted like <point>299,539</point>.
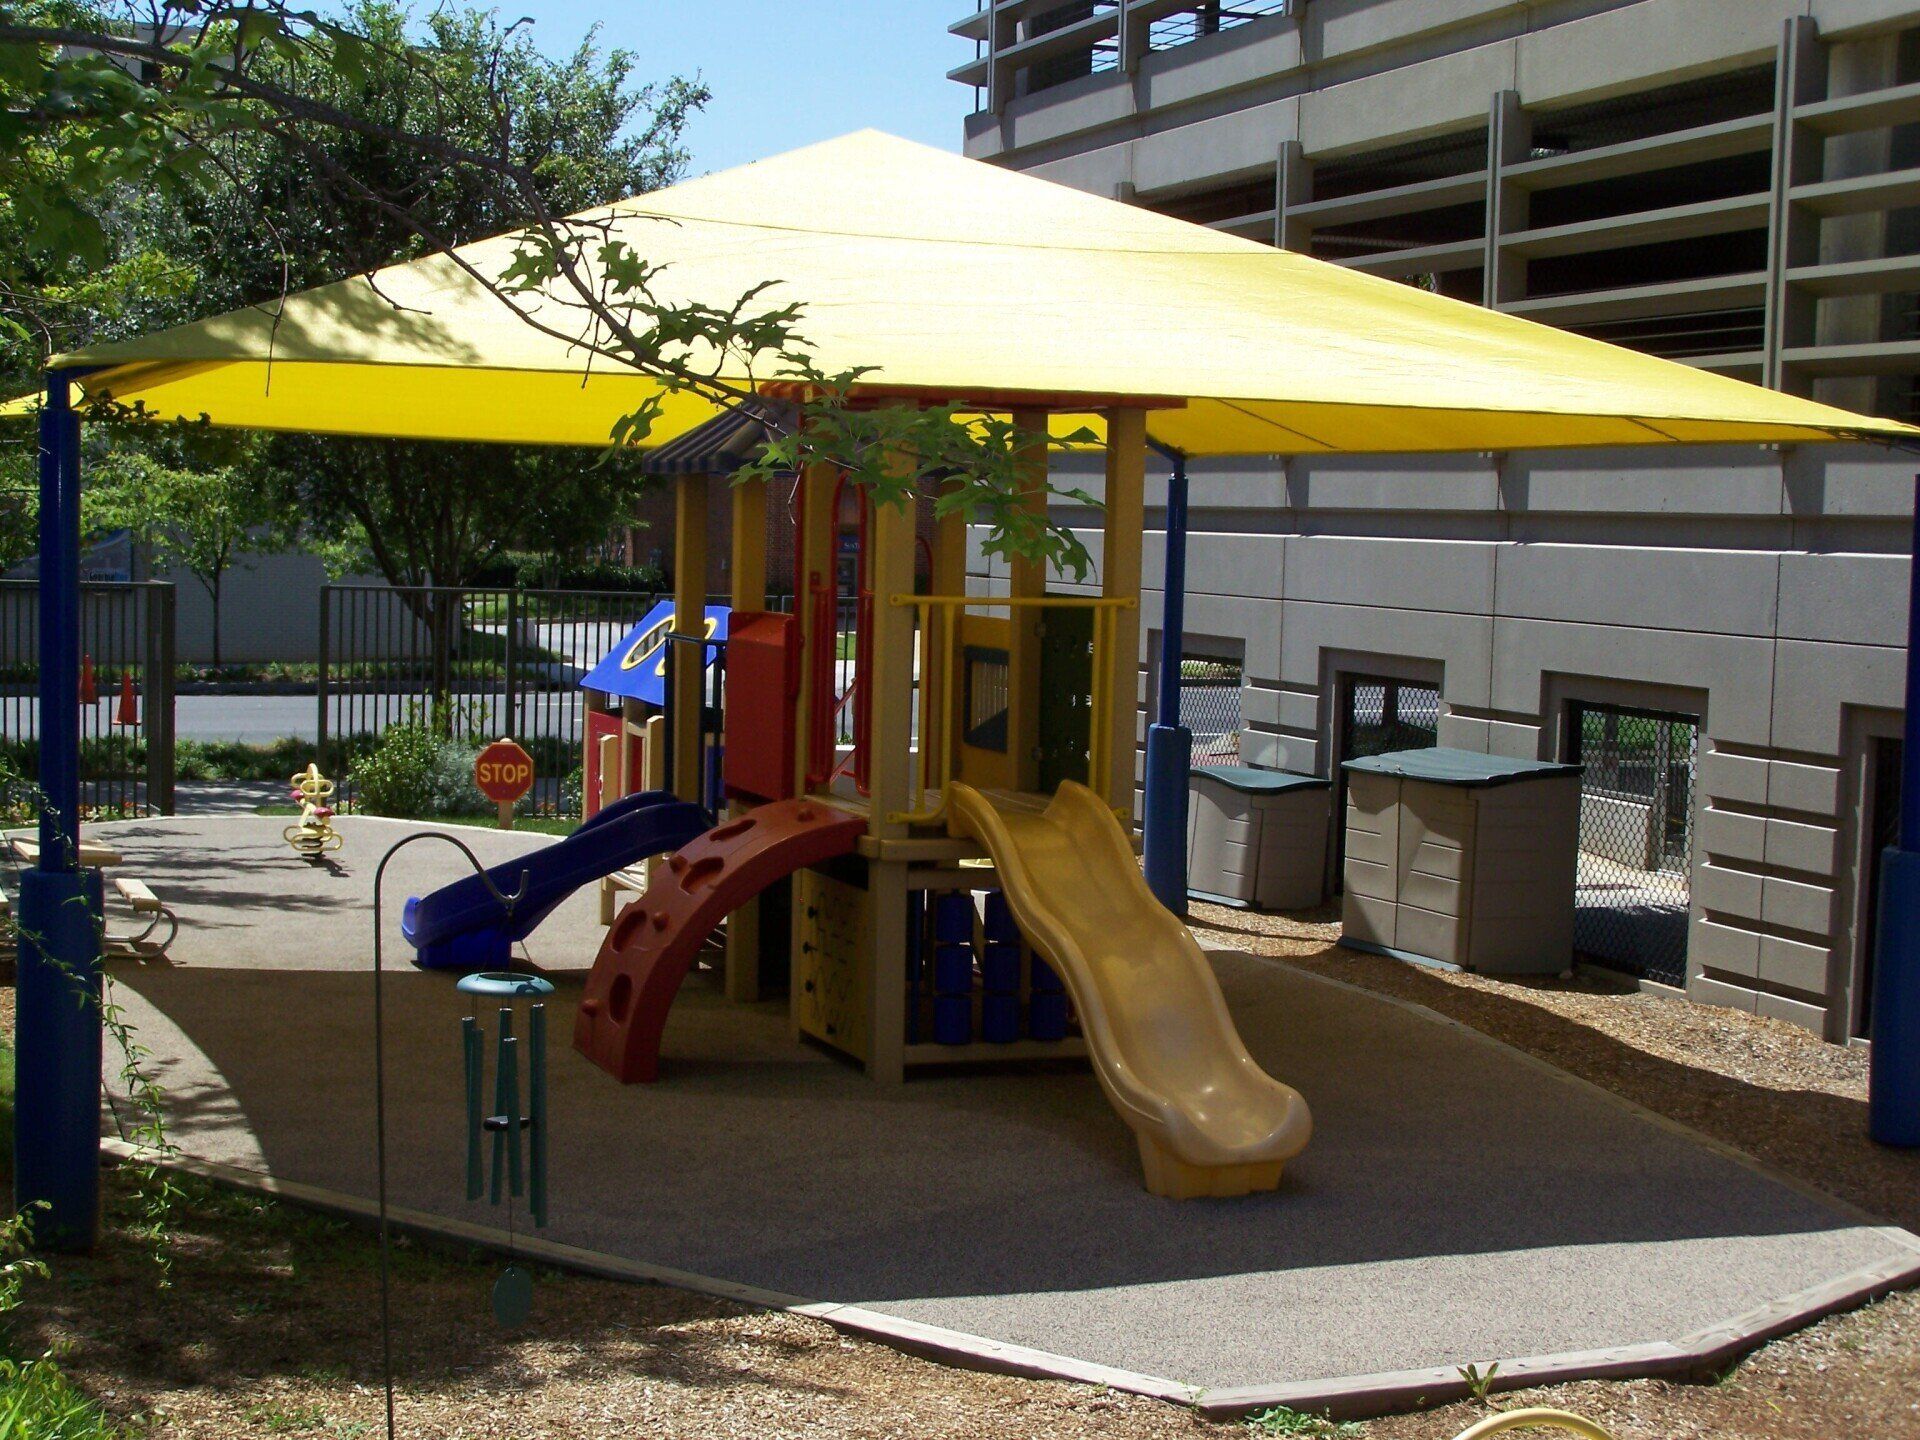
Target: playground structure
<point>959,869</point>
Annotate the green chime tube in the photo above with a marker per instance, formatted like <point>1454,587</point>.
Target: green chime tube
<point>510,1108</point>
<point>473,1048</point>
<point>503,1108</point>
<point>537,1113</point>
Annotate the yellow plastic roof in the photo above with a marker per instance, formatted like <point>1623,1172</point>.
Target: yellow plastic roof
<point>946,273</point>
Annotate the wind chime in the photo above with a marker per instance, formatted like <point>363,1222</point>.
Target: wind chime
<point>512,1172</point>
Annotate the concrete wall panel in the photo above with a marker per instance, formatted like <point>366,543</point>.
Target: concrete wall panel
<point>1854,599</point>
<point>1715,591</point>
<point>1735,668</point>
<point>1451,576</point>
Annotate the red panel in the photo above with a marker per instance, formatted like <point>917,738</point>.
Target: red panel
<point>651,945</point>
<point>600,724</point>
<point>763,681</point>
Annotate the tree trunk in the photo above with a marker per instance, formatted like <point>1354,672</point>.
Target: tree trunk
<point>212,587</point>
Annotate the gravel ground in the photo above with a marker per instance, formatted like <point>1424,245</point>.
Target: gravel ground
<point>267,1326</point>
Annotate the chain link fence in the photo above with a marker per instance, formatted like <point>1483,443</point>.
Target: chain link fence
<point>1883,833</point>
<point>1377,716</point>
<point>1634,885</point>
<point>1210,709</point>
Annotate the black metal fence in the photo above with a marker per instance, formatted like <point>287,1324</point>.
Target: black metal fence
<point>126,693</point>
<point>1634,884</point>
<point>473,663</point>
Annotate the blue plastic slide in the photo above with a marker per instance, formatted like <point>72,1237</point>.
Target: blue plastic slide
<point>462,927</point>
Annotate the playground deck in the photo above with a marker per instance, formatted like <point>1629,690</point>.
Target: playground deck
<point>1459,1204</point>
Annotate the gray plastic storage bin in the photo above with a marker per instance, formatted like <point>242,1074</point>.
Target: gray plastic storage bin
<point>1463,858</point>
<point>1258,837</point>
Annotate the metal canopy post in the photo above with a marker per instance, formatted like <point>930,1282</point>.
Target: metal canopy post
<point>1169,743</point>
<point>1893,1099</point>
<point>56,1148</point>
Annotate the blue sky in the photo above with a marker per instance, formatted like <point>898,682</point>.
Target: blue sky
<point>783,72</point>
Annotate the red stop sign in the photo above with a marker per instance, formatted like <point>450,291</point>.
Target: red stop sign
<point>504,772</point>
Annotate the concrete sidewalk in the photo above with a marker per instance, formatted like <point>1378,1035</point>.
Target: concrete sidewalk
<point>1460,1203</point>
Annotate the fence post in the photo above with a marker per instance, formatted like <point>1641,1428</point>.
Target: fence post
<point>511,723</point>
<point>320,679</point>
<point>161,766</point>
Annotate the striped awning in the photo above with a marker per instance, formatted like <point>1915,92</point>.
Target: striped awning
<point>723,444</point>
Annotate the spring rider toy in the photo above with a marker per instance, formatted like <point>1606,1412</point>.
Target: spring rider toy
<point>314,836</point>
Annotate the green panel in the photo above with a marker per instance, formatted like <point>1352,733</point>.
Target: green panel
<point>1066,696</point>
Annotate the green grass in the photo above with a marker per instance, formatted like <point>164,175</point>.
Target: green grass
<point>1282,1421</point>
<point>37,1401</point>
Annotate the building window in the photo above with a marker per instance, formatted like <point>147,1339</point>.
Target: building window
<point>1634,885</point>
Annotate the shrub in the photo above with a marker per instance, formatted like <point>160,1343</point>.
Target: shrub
<point>414,774</point>
<point>239,760</point>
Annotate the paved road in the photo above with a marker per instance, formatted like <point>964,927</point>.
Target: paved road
<point>258,719</point>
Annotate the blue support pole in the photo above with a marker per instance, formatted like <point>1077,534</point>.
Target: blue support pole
<point>1893,1091</point>
<point>56,1146</point>
<point>1169,743</point>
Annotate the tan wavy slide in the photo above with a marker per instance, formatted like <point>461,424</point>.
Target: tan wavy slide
<point>1209,1120</point>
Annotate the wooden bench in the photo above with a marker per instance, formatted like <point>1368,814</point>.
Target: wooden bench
<point>140,899</point>
<point>138,894</point>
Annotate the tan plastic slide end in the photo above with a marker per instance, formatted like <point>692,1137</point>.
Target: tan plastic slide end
<point>1209,1120</point>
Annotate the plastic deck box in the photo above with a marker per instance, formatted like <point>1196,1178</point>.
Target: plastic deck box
<point>1462,858</point>
<point>1258,837</point>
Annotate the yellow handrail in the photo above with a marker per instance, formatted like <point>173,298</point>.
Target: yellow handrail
<point>936,719</point>
<point>1534,1419</point>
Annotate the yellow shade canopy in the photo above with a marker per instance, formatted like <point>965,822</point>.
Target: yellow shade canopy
<point>961,279</point>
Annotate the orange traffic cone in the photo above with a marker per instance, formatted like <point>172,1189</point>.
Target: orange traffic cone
<point>89,688</point>
<point>128,711</point>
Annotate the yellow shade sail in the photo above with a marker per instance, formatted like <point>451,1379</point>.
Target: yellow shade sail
<point>962,279</point>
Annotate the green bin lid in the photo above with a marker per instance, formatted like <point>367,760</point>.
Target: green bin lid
<point>1250,781</point>
<point>503,983</point>
<point>1441,766</point>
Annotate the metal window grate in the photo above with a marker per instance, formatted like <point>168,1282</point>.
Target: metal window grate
<point>1210,709</point>
<point>1377,716</point>
<point>1883,834</point>
<point>1634,884</point>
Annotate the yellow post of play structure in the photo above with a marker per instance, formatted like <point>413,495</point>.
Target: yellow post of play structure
<point>688,661</point>
<point>1121,543</point>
